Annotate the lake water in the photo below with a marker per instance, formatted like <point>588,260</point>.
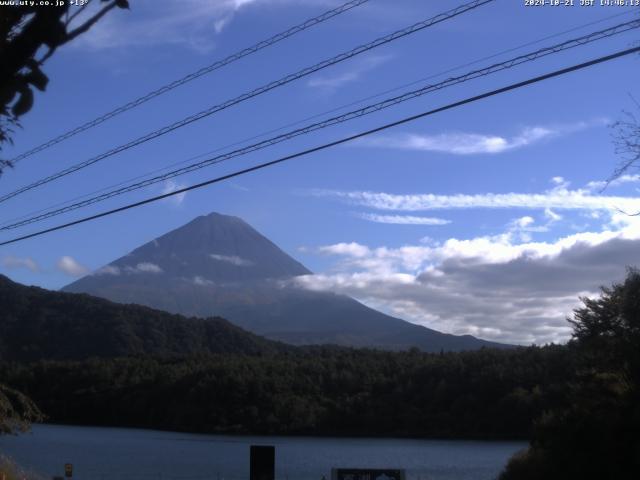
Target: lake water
<point>129,454</point>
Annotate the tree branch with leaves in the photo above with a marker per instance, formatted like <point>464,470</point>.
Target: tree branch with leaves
<point>24,32</point>
<point>17,411</point>
<point>626,139</point>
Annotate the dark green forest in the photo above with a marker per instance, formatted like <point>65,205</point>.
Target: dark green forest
<point>322,390</point>
<point>38,324</point>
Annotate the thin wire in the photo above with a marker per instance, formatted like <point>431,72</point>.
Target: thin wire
<point>528,57</point>
<point>318,115</point>
<point>325,146</point>
<point>192,76</point>
<point>258,91</point>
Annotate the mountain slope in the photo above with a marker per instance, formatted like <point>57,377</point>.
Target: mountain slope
<point>219,265</point>
<point>40,324</point>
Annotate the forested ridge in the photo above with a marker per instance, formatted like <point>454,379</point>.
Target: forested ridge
<point>41,324</point>
<point>317,390</point>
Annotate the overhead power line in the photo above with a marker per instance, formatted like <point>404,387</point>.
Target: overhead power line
<point>194,75</point>
<point>258,91</point>
<point>315,116</point>
<point>325,146</point>
<point>389,102</point>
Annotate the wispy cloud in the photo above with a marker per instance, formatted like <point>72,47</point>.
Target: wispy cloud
<point>12,262</point>
<point>621,180</point>
<point>143,267</point>
<point>232,259</point>
<point>525,226</point>
<point>202,281</point>
<point>70,266</point>
<point>171,186</point>
<point>193,24</point>
<point>352,249</point>
<point>107,270</point>
<point>170,22</point>
<point>356,72</point>
<point>552,216</point>
<point>403,219</point>
<point>556,198</point>
<point>459,143</point>
<point>237,186</point>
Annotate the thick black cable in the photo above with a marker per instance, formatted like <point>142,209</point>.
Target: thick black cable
<point>258,91</point>
<point>325,146</point>
<point>528,57</point>
<point>192,76</point>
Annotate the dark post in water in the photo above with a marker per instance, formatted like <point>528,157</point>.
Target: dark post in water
<point>263,462</point>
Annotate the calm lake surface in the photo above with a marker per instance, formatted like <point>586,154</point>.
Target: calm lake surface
<point>120,453</point>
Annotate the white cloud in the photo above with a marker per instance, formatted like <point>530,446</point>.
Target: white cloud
<point>621,180</point>
<point>232,259</point>
<point>523,222</point>
<point>503,287</point>
<point>524,226</point>
<point>171,186</point>
<point>403,219</point>
<point>557,198</point>
<point>552,216</point>
<point>355,73</point>
<point>492,287</point>
<point>349,249</point>
<point>69,266</point>
<point>560,182</point>
<point>220,24</point>
<point>147,267</point>
<point>144,267</point>
<point>12,262</point>
<point>459,143</point>
<point>201,281</point>
<point>107,270</point>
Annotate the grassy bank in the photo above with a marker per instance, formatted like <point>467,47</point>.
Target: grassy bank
<point>9,470</point>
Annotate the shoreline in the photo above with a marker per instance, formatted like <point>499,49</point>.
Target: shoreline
<point>288,436</point>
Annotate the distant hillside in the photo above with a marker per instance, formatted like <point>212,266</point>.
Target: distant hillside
<point>40,324</point>
<point>219,265</point>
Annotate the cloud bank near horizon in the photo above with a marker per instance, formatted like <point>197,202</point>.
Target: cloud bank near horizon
<point>506,287</point>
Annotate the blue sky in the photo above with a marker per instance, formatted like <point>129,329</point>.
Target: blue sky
<point>487,219</point>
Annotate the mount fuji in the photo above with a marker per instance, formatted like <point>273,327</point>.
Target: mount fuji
<point>218,265</point>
